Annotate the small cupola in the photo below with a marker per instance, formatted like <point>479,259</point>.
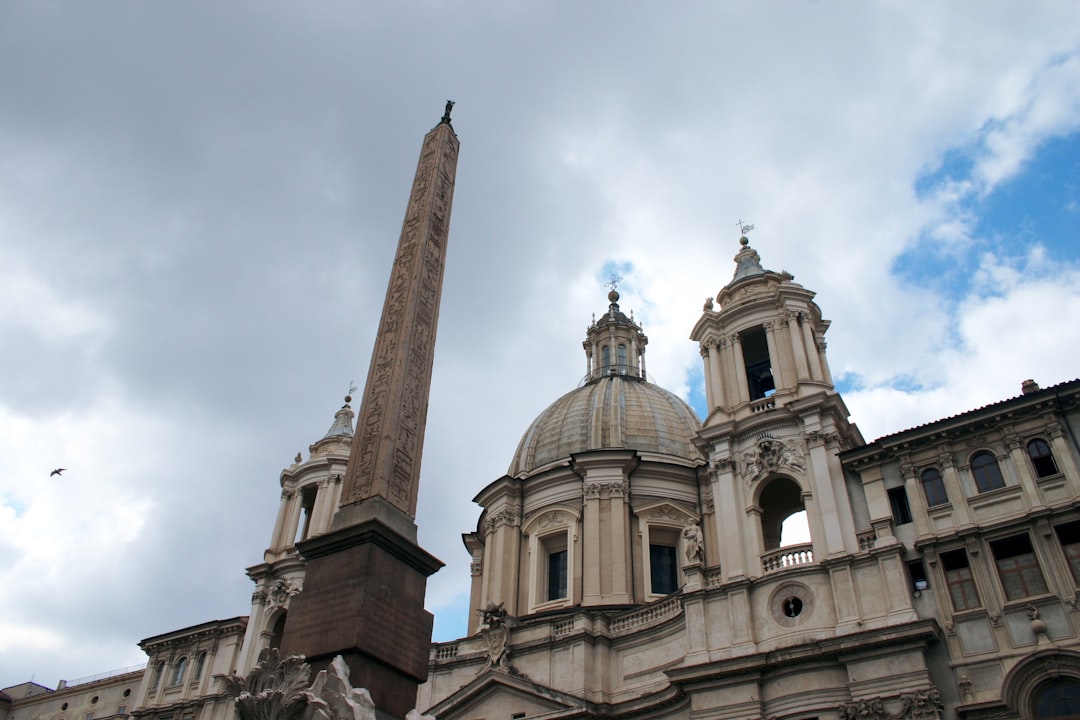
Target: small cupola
<point>340,433</point>
<point>614,344</point>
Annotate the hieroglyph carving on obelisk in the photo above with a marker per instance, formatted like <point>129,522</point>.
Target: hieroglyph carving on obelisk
<point>389,439</point>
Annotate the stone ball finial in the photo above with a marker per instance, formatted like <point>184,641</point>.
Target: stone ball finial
<point>744,241</point>
<point>348,399</point>
<point>1038,626</point>
<point>613,296</point>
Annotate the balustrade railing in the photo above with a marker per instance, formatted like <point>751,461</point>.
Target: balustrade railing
<point>645,616</point>
<point>787,557</point>
<point>766,403</point>
<point>446,652</point>
<point>867,540</point>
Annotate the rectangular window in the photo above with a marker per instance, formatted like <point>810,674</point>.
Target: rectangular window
<point>901,511</point>
<point>959,579</point>
<point>663,571</point>
<point>556,574</point>
<point>121,709</point>
<point>917,573</point>
<point>1017,567</point>
<point>1069,537</point>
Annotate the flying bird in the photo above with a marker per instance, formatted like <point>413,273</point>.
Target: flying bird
<point>57,471</point>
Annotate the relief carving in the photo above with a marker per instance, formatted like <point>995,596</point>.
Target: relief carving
<point>282,591</point>
<point>495,629</point>
<point>772,455</point>
<point>665,512</point>
<point>552,518</point>
<point>919,705</point>
<point>277,689</point>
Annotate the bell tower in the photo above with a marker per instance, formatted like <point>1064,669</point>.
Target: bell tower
<point>775,423</point>
<point>762,341</point>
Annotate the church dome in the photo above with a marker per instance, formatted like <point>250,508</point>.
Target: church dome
<point>614,411</point>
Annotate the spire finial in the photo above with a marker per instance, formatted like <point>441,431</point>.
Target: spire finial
<point>613,282</point>
<point>446,113</point>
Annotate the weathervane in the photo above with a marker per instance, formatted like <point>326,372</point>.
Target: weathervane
<point>613,281</point>
<point>744,228</point>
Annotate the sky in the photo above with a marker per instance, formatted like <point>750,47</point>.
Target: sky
<point>200,202</point>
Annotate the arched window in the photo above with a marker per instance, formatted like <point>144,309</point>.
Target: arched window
<point>200,664</point>
<point>622,359</point>
<point>984,467</point>
<point>178,671</point>
<point>779,500</point>
<point>1041,458</point>
<point>159,670</point>
<point>278,631</point>
<point>605,358</point>
<point>933,487</point>
<point>1057,698</point>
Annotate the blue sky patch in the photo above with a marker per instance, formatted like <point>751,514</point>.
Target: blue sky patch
<point>1039,205</point>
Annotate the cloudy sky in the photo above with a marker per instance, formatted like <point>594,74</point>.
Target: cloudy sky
<point>199,205</point>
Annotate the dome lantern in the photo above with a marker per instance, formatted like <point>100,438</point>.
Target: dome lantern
<point>614,344</point>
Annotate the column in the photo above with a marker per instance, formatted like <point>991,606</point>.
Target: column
<point>916,499</point>
<point>774,356</point>
<point>721,393</point>
<point>826,374</point>
<point>811,347</point>
<point>323,510</point>
<point>726,525</point>
<point>277,538</point>
<point>1062,457</point>
<point>296,507</point>
<point>802,370</point>
<point>618,544</point>
<point>954,488</point>
<point>827,502</point>
<point>590,545</point>
<point>707,358</point>
<point>739,369</point>
<point>1021,467</point>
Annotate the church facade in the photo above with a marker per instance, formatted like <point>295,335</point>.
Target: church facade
<point>633,563</point>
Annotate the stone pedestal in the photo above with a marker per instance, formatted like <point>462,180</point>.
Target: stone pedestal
<point>363,599</point>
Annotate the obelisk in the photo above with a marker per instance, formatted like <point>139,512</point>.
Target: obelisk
<point>363,595</point>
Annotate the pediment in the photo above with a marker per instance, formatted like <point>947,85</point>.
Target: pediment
<point>496,694</point>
